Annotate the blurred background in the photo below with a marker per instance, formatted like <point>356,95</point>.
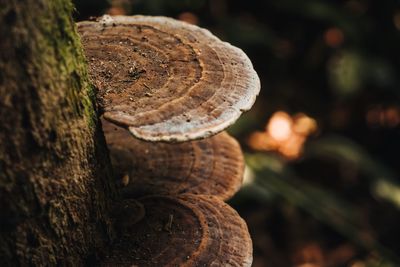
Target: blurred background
<point>322,142</point>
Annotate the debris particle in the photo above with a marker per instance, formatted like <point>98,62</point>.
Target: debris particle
<point>134,72</point>
<point>125,180</point>
<point>168,225</point>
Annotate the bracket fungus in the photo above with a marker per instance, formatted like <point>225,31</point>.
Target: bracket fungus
<point>166,80</point>
<point>184,230</point>
<point>159,79</point>
<point>211,166</point>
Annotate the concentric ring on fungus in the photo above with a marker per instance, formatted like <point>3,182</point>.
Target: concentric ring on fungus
<point>185,230</point>
<point>212,166</point>
<point>166,80</point>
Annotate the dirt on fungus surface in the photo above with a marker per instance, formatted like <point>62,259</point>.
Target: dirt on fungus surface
<point>128,67</point>
<point>138,66</point>
<point>166,235</point>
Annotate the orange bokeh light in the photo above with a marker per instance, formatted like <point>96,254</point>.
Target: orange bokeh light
<point>280,126</point>
<point>284,134</point>
<point>189,18</point>
<point>115,11</point>
<point>379,116</point>
<point>333,37</point>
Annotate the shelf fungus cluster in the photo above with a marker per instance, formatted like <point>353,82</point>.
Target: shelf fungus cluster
<point>167,90</point>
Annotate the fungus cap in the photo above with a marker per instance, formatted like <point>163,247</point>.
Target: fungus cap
<point>212,166</point>
<point>164,79</point>
<point>186,230</point>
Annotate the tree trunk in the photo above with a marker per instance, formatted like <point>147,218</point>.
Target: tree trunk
<point>54,170</point>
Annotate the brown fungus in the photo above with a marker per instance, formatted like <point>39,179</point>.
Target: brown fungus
<point>164,79</point>
<point>188,230</point>
<point>212,166</point>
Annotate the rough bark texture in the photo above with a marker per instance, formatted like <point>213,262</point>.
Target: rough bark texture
<point>54,174</point>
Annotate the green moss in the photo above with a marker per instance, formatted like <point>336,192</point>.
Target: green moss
<point>61,43</point>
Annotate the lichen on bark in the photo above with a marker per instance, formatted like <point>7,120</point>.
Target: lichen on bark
<point>55,180</point>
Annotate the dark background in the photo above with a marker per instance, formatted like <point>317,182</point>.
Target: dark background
<point>335,200</point>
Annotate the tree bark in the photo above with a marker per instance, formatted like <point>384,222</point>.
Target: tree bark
<point>55,177</point>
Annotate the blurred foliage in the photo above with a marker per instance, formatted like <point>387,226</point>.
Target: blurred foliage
<point>383,182</point>
<point>272,174</point>
<point>338,62</point>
